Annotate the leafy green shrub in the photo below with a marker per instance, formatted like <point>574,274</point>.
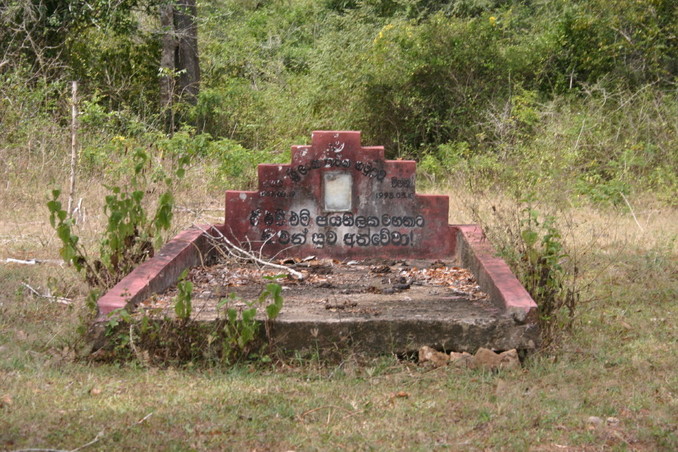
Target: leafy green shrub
<point>231,338</point>
<point>533,246</point>
<point>131,235</point>
<point>235,166</point>
<point>624,41</point>
<point>183,304</point>
<point>427,84</point>
<point>241,327</point>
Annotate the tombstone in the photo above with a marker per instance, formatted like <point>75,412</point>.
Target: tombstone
<point>342,200</point>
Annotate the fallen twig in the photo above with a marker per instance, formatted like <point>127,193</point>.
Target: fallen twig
<point>236,251</point>
<point>96,439</point>
<point>632,212</point>
<point>143,419</point>
<point>10,260</point>
<point>61,300</point>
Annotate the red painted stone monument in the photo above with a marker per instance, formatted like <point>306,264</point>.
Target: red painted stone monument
<point>339,199</point>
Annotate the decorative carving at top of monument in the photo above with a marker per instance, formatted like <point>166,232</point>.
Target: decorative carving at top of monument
<point>339,199</point>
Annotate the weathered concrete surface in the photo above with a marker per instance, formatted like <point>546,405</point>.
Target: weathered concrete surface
<point>458,327</point>
<point>376,306</point>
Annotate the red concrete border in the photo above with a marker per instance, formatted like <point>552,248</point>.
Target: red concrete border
<point>185,250</point>
<point>493,274</point>
<point>189,247</point>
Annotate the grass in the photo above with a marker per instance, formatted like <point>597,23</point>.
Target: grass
<point>618,362</point>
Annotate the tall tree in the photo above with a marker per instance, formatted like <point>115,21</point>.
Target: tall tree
<point>179,62</point>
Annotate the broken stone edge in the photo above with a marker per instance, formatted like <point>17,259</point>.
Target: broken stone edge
<point>193,247</point>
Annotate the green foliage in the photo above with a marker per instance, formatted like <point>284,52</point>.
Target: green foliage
<point>103,44</point>
<point>428,83</point>
<point>120,67</point>
<point>573,99</point>
<point>625,41</point>
<point>131,235</point>
<point>229,339</point>
<point>183,306</point>
<point>118,332</point>
<point>541,252</point>
<point>534,247</point>
<point>241,327</point>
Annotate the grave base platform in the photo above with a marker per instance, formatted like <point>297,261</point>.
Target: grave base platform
<point>374,306</point>
<point>462,302</point>
<point>462,327</point>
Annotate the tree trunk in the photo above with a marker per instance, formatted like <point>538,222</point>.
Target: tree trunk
<point>179,62</point>
<point>167,66</point>
<point>187,50</point>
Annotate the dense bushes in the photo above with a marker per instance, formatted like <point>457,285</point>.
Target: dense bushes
<point>577,98</point>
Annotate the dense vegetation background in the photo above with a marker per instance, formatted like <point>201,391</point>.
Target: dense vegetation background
<point>572,100</point>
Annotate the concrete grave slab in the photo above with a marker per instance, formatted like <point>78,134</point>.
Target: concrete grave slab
<point>342,201</point>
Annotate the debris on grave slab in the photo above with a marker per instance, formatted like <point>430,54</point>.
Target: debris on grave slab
<point>437,264</point>
<point>320,269</point>
<point>340,284</point>
<point>345,305</point>
<point>380,269</point>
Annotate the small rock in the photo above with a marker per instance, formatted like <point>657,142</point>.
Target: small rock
<point>509,360</point>
<point>380,269</point>
<point>427,354</point>
<point>400,287</point>
<point>486,359</point>
<point>594,421</point>
<point>461,359</point>
<point>612,421</point>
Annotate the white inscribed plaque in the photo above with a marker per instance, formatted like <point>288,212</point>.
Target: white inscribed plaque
<point>338,191</point>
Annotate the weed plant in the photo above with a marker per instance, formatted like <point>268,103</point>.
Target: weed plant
<point>131,235</point>
<point>156,338</point>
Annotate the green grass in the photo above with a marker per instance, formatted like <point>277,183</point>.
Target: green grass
<point>618,362</point>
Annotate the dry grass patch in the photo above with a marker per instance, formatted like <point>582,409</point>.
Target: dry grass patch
<point>617,365</point>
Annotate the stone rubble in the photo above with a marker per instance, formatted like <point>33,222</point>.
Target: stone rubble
<point>484,359</point>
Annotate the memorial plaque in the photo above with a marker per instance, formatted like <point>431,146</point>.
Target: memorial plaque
<point>339,199</point>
